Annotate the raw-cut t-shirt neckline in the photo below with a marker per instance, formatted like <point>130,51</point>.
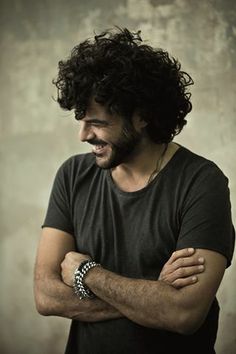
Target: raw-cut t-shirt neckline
<point>163,171</point>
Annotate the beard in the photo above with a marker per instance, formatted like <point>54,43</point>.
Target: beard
<point>121,150</point>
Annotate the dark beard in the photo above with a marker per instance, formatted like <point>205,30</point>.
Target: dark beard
<point>124,147</point>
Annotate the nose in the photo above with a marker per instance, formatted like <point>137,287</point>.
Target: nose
<point>85,132</point>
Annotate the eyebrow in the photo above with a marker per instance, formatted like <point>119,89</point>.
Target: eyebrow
<point>96,120</point>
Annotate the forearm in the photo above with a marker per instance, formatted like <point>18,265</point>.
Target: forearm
<point>53,297</point>
<point>148,303</point>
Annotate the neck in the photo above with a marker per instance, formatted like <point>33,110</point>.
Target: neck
<point>135,173</point>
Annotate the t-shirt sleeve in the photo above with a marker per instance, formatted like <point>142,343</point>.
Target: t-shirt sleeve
<point>206,216</point>
<point>58,213</point>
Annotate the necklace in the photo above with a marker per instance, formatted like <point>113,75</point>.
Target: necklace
<point>158,165</point>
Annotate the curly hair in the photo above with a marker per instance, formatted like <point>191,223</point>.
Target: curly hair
<point>126,76</point>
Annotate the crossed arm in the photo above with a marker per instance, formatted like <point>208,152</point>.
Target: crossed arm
<point>52,295</point>
<point>168,303</point>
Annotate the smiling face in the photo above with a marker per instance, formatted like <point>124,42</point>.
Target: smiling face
<point>114,140</point>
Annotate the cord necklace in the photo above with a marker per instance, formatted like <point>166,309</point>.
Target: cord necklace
<point>158,165</point>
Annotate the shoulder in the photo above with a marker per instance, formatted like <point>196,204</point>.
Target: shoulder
<point>75,168</point>
<point>193,176</point>
<point>199,168</point>
<point>79,162</point>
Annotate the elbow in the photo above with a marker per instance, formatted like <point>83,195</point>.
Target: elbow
<point>188,328</point>
<point>42,310</point>
<point>42,307</point>
<point>189,322</point>
<point>42,303</point>
<point>184,321</point>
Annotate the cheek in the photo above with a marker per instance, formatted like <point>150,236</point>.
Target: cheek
<point>106,138</point>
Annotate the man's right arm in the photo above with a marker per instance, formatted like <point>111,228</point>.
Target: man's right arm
<point>52,296</point>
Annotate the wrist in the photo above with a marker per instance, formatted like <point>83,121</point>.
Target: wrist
<point>96,279</point>
<point>80,274</point>
<point>93,276</point>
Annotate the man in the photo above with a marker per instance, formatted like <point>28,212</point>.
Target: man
<point>129,226</point>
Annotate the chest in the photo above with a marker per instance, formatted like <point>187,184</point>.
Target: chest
<point>130,234</point>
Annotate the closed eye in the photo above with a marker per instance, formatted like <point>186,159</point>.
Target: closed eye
<point>97,122</point>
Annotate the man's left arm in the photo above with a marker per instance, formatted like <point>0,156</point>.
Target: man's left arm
<point>157,304</point>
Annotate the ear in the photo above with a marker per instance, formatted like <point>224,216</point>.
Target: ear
<point>138,122</point>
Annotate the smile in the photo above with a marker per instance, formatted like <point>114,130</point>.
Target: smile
<point>99,149</point>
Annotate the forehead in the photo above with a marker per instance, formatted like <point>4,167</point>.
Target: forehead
<point>96,111</point>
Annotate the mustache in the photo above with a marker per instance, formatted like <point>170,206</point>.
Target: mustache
<point>96,142</point>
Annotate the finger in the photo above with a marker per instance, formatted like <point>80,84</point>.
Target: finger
<point>187,262</point>
<point>168,269</point>
<point>185,252</point>
<point>180,283</point>
<point>183,273</point>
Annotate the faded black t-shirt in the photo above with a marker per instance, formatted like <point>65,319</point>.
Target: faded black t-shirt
<point>134,233</point>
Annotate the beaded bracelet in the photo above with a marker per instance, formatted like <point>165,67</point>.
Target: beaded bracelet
<point>79,287</point>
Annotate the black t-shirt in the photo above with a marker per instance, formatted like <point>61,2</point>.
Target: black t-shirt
<point>134,233</point>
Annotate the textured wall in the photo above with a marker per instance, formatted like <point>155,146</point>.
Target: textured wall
<point>36,136</point>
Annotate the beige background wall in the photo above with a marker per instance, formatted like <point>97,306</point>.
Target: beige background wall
<point>36,136</point>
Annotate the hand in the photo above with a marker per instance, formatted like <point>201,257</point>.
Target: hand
<point>182,268</point>
<point>71,261</point>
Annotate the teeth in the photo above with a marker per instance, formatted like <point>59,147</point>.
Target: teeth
<point>99,147</point>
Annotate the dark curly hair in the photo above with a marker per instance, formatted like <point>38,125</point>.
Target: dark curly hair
<point>126,76</point>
